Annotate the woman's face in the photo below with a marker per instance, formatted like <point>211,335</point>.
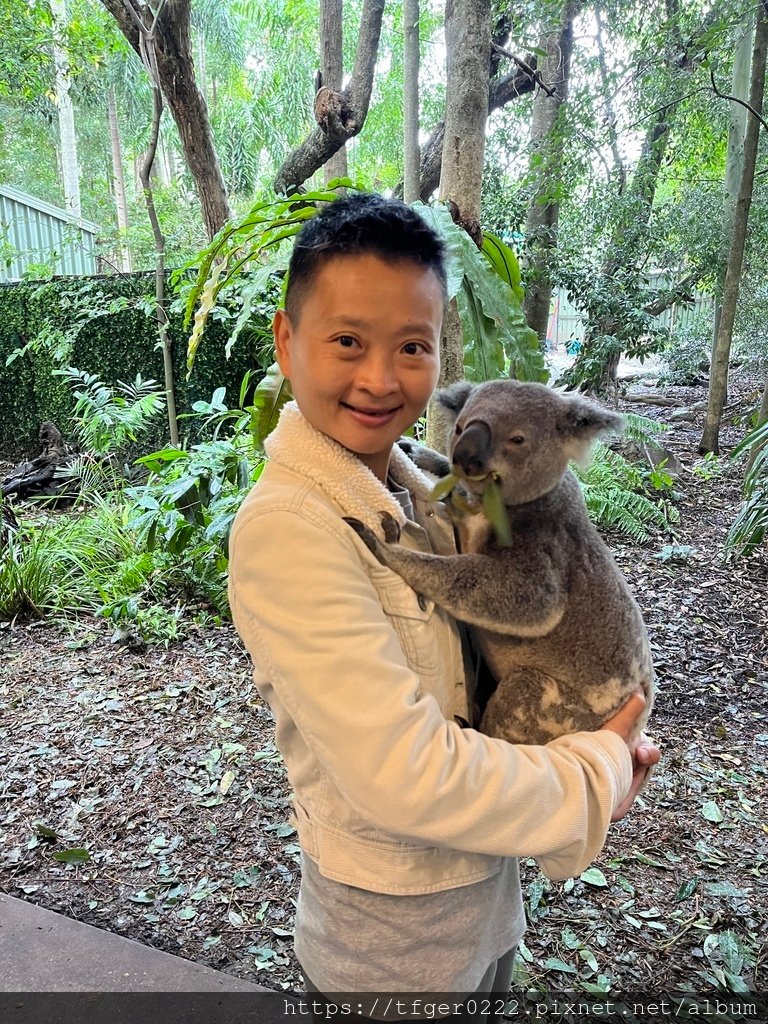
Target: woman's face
<point>364,355</point>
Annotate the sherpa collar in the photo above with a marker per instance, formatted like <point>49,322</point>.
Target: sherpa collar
<point>299,446</point>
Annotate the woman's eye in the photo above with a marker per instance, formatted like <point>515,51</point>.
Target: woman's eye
<point>346,340</point>
<point>412,348</point>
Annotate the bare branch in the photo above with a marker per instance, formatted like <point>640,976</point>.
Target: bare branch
<point>524,66</point>
<point>735,99</point>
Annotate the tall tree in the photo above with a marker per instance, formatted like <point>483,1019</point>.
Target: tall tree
<point>410,100</point>
<point>332,72</point>
<point>467,56</point>
<point>172,50</point>
<point>70,172</point>
<point>721,350</point>
<point>118,177</point>
<point>339,115</point>
<point>546,167</point>
<point>734,164</point>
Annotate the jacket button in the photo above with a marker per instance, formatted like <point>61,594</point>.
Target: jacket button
<point>422,602</point>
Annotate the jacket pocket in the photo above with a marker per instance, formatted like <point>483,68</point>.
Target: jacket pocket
<point>414,620</point>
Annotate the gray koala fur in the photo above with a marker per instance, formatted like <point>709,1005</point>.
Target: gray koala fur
<point>552,612</point>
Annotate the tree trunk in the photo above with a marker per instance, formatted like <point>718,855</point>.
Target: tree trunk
<point>410,100</point>
<point>339,115</point>
<point>721,350</point>
<point>546,170</point>
<point>468,54</point>
<point>160,313</point>
<point>118,180</point>
<point>501,91</point>
<point>70,173</point>
<point>332,70</point>
<point>610,116</point>
<point>200,74</point>
<point>734,163</point>
<point>175,72</point>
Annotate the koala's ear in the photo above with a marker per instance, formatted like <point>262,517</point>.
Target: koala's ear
<point>582,422</point>
<point>586,420</point>
<point>451,400</point>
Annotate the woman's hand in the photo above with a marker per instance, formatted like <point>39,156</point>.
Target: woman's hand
<point>644,753</point>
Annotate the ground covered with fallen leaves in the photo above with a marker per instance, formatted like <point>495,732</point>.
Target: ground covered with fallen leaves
<point>160,763</point>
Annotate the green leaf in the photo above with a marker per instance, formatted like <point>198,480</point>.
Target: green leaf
<point>254,288</point>
<point>142,897</point>
<point>589,958</point>
<point>443,487</point>
<point>686,890</point>
<point>712,812</point>
<point>77,855</point>
<point>554,963</point>
<point>272,393</point>
<point>186,913</point>
<point>504,261</point>
<point>44,831</point>
<point>594,876</point>
<point>493,506</point>
<point>732,952</point>
<point>439,219</point>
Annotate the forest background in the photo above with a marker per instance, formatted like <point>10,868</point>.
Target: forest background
<point>614,151</point>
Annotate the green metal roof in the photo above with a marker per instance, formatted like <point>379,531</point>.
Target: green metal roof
<point>33,231</point>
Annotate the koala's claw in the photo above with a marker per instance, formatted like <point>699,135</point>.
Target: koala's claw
<point>391,528</point>
<point>367,535</point>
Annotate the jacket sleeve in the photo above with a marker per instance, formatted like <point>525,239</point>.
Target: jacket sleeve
<point>313,625</point>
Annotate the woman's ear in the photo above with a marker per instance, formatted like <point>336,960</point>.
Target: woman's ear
<point>281,330</point>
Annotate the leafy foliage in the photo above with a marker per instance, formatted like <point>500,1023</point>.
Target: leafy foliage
<point>615,493</point>
<point>486,285</point>
<point>751,524</point>
<point>687,348</point>
<point>108,417</point>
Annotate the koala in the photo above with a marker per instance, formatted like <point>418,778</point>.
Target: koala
<point>550,611</point>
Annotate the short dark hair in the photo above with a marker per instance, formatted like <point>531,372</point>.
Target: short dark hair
<point>355,224</point>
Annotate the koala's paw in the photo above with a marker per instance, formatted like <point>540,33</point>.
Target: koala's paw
<point>364,532</point>
<point>391,528</point>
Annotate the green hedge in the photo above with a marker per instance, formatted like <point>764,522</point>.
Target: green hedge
<point>113,345</point>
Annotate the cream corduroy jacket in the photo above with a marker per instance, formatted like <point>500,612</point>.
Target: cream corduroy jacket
<point>364,678</point>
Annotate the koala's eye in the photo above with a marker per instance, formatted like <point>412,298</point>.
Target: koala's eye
<point>458,430</point>
<point>517,439</point>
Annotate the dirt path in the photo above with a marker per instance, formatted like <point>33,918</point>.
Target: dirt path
<point>161,765</point>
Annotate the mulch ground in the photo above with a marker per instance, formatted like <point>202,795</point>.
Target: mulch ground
<point>160,763</point>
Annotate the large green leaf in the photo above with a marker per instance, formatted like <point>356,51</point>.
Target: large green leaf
<point>271,394</point>
<point>504,261</point>
<point>439,219</point>
<point>493,316</point>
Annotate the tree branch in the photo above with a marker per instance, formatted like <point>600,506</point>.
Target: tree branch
<point>340,115</point>
<point>524,66</point>
<point>675,294</point>
<point>735,99</point>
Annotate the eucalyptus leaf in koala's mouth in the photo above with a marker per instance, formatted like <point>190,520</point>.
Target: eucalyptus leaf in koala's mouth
<point>496,513</point>
<point>493,503</point>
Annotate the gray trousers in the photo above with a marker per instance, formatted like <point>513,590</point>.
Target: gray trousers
<point>483,1007</point>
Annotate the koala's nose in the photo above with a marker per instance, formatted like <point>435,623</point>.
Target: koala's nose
<point>470,453</point>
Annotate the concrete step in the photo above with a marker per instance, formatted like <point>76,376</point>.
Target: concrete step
<point>42,953</point>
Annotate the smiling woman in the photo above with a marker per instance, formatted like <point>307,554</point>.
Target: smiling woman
<point>409,822</point>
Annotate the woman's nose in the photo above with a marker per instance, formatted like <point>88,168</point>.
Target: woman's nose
<point>377,376</point>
